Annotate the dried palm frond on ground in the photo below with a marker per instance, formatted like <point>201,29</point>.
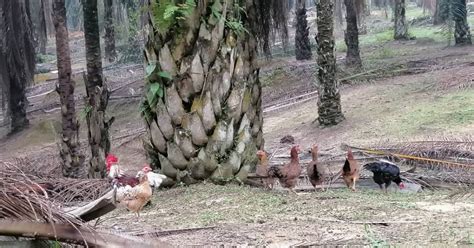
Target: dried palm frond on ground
<point>438,154</point>
<point>74,235</point>
<point>65,191</point>
<point>31,206</point>
<point>15,204</point>
<point>445,163</point>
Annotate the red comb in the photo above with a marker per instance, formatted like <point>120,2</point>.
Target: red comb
<point>111,159</point>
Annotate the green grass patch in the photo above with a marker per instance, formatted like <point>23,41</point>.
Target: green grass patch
<point>431,32</point>
<point>377,38</point>
<point>413,12</point>
<point>444,111</point>
<point>275,75</point>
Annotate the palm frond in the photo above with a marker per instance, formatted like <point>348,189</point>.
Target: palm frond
<point>437,154</point>
<point>79,235</point>
<point>63,191</point>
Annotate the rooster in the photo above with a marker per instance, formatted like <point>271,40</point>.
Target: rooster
<point>288,174</point>
<point>135,198</point>
<point>116,174</point>
<point>262,169</point>
<point>155,179</point>
<point>350,171</point>
<point>384,173</point>
<point>317,173</point>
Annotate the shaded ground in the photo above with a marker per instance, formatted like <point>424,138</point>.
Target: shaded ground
<point>250,216</point>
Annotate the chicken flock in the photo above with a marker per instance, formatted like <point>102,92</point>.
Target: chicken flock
<point>384,172</point>
<point>135,191</point>
<point>132,192</point>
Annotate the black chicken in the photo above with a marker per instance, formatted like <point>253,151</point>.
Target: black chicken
<point>384,173</point>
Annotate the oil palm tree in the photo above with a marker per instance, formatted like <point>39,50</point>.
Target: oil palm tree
<point>202,105</point>
<point>17,60</point>
<point>72,160</point>
<point>329,101</point>
<point>97,93</point>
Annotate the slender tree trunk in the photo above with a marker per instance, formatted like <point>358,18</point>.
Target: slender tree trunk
<point>18,54</point>
<point>110,53</point>
<point>43,33</point>
<point>438,16</point>
<point>38,19</point>
<point>72,160</point>
<point>97,93</point>
<point>462,34</point>
<point>291,4</point>
<point>329,102</point>
<point>361,11</point>
<point>338,12</point>
<point>351,36</point>
<point>302,44</point>
<point>206,121</point>
<point>401,26</point>
<point>48,5</point>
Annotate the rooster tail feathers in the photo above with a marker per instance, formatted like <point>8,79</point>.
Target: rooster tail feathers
<point>371,166</point>
<point>347,166</point>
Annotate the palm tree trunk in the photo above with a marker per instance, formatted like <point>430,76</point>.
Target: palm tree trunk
<point>329,102</point>
<point>18,54</point>
<point>202,104</point>
<point>110,53</point>
<point>302,44</point>
<point>462,34</point>
<point>351,36</point>
<point>38,18</point>
<point>338,12</point>
<point>438,15</point>
<point>43,33</point>
<point>401,26</point>
<point>69,145</point>
<point>97,93</point>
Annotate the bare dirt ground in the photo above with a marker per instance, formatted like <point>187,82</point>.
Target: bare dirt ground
<point>431,96</point>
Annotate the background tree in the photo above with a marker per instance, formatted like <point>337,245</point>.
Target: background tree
<point>462,34</point>
<point>329,101</point>
<point>72,160</point>
<point>401,26</point>
<point>351,36</point>
<point>203,96</point>
<point>302,44</point>
<point>38,18</point>
<point>110,53</point>
<point>440,16</point>
<point>338,15</point>
<point>97,93</point>
<point>75,17</point>
<point>17,58</point>
<point>272,16</point>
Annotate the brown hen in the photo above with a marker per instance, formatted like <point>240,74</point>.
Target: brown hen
<point>318,174</point>
<point>135,198</point>
<point>350,171</point>
<point>288,174</point>
<point>262,169</point>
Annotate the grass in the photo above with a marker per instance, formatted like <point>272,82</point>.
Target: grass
<point>40,133</point>
<point>430,32</point>
<point>274,76</point>
<point>255,216</point>
<point>449,110</point>
<point>373,238</point>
